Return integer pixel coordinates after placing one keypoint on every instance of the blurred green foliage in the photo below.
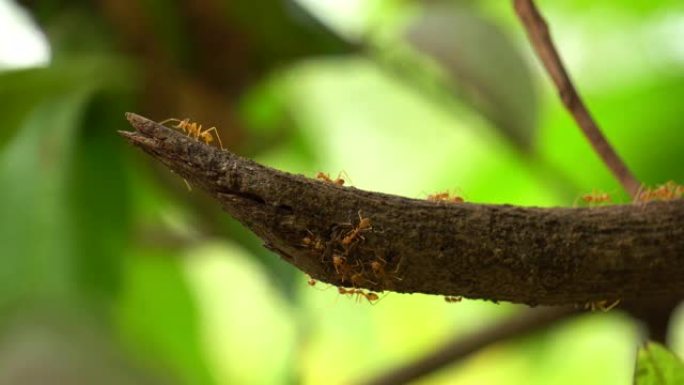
(112, 266)
(658, 366)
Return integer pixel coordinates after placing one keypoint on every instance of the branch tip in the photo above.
(536, 256)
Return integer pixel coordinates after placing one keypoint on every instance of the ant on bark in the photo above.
(370, 296)
(364, 225)
(194, 130)
(445, 197)
(337, 181)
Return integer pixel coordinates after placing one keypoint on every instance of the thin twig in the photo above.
(538, 33)
(460, 347)
(545, 256)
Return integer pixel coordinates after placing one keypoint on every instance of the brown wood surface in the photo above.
(549, 256)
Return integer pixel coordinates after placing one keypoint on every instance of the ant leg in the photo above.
(574, 204)
(182, 124)
(170, 120)
(344, 174)
(217, 135)
(346, 177)
(637, 196)
(611, 306)
(375, 299)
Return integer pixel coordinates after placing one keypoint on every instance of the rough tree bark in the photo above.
(535, 256)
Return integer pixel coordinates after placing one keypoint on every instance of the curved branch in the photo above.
(550, 256)
(538, 33)
(461, 346)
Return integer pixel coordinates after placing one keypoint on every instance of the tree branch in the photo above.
(550, 256)
(459, 347)
(538, 33)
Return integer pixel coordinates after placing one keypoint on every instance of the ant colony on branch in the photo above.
(341, 252)
(664, 192)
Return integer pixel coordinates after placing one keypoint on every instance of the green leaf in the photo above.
(63, 342)
(41, 231)
(21, 91)
(283, 31)
(483, 67)
(99, 197)
(35, 230)
(638, 8)
(276, 33)
(658, 366)
(158, 317)
(624, 117)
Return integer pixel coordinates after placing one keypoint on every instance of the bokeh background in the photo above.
(112, 272)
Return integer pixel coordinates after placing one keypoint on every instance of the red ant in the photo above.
(444, 197)
(194, 130)
(312, 282)
(359, 279)
(313, 242)
(664, 192)
(596, 197)
(340, 265)
(364, 225)
(378, 268)
(370, 296)
(345, 270)
(326, 178)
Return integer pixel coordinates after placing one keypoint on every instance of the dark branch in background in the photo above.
(538, 33)
(655, 313)
(550, 256)
(459, 347)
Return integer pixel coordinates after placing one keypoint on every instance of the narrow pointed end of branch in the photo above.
(138, 140)
(148, 134)
(144, 125)
(136, 120)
